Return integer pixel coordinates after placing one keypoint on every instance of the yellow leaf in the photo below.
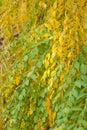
(48, 72)
(53, 73)
(48, 26)
(44, 76)
(46, 35)
(17, 80)
(51, 60)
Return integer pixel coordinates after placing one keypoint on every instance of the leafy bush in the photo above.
(45, 84)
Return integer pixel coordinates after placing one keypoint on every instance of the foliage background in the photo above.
(43, 64)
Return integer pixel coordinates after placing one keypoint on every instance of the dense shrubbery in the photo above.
(45, 84)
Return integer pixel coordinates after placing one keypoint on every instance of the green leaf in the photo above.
(75, 93)
(22, 94)
(56, 98)
(35, 87)
(84, 123)
(39, 102)
(33, 68)
(80, 128)
(71, 99)
(46, 41)
(78, 83)
(26, 58)
(41, 109)
(84, 48)
(76, 108)
(43, 119)
(68, 80)
(75, 128)
(56, 108)
(43, 103)
(76, 64)
(24, 38)
(27, 82)
(83, 77)
(80, 96)
(36, 51)
(83, 69)
(39, 64)
(60, 69)
(84, 84)
(65, 119)
(81, 58)
(35, 119)
(65, 86)
(33, 76)
(66, 110)
(73, 71)
(60, 88)
(70, 127)
(26, 64)
(35, 127)
(43, 94)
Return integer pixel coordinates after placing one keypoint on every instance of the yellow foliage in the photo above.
(62, 22)
(48, 26)
(30, 112)
(22, 126)
(50, 112)
(46, 35)
(42, 4)
(44, 76)
(17, 80)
